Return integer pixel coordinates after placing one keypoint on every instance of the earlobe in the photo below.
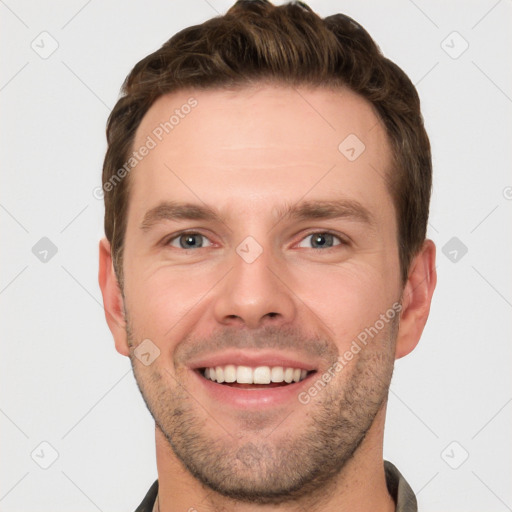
(112, 298)
(416, 299)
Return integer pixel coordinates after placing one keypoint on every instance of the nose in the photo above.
(255, 294)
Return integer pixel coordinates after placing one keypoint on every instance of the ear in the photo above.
(112, 298)
(416, 299)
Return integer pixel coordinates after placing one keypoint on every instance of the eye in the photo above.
(321, 240)
(189, 241)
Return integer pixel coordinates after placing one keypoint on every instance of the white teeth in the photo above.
(219, 374)
(278, 374)
(230, 373)
(259, 375)
(244, 375)
(262, 375)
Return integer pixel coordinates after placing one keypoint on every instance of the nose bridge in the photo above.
(254, 293)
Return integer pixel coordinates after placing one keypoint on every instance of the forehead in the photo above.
(264, 140)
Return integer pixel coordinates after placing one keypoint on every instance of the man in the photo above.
(267, 185)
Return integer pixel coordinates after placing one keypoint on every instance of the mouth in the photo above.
(259, 377)
(252, 380)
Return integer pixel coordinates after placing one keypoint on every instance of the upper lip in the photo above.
(252, 359)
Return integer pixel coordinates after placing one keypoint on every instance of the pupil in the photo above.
(188, 240)
(322, 239)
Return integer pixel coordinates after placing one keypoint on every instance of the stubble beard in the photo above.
(265, 466)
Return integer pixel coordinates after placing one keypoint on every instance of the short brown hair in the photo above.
(256, 41)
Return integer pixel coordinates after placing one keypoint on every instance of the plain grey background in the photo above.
(62, 382)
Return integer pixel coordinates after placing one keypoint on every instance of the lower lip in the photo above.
(253, 398)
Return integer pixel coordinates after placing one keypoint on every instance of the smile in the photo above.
(253, 380)
(266, 376)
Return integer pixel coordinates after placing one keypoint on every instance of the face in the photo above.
(258, 252)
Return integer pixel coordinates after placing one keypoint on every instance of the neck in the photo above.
(360, 485)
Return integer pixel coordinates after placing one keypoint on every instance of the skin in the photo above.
(247, 153)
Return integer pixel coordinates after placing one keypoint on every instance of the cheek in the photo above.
(346, 299)
(161, 300)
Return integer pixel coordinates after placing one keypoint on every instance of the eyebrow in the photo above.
(305, 210)
(327, 209)
(172, 210)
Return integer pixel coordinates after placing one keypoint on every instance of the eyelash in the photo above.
(342, 241)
